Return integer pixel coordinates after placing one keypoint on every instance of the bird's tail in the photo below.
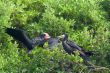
(21, 36)
(15, 33)
(12, 31)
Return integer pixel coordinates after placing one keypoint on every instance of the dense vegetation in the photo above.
(86, 21)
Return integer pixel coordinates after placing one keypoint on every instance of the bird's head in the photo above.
(64, 36)
(46, 36)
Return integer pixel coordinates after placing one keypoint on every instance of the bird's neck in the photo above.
(65, 39)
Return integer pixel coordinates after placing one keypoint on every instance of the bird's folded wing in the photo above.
(73, 45)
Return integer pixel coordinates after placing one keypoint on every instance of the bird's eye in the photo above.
(43, 34)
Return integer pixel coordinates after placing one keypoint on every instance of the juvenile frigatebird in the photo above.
(70, 47)
(22, 36)
(54, 42)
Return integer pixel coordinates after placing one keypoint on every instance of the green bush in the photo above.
(85, 21)
(51, 24)
(105, 4)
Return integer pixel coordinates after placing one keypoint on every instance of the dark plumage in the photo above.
(88, 53)
(53, 42)
(21, 36)
(70, 47)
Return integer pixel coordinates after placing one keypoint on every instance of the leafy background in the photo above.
(86, 21)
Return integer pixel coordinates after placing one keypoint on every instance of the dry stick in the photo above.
(99, 67)
(96, 68)
(83, 69)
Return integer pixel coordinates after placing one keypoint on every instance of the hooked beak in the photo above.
(61, 36)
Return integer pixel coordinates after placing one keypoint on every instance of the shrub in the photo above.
(83, 20)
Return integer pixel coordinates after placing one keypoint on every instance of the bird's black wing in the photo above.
(67, 47)
(73, 45)
(20, 35)
(15, 33)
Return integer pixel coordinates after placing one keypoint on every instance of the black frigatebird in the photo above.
(22, 36)
(70, 47)
(54, 42)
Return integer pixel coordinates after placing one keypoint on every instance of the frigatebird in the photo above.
(22, 36)
(53, 42)
(70, 47)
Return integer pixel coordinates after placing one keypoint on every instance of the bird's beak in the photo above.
(61, 36)
(47, 37)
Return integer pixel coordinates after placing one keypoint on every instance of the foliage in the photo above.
(87, 22)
